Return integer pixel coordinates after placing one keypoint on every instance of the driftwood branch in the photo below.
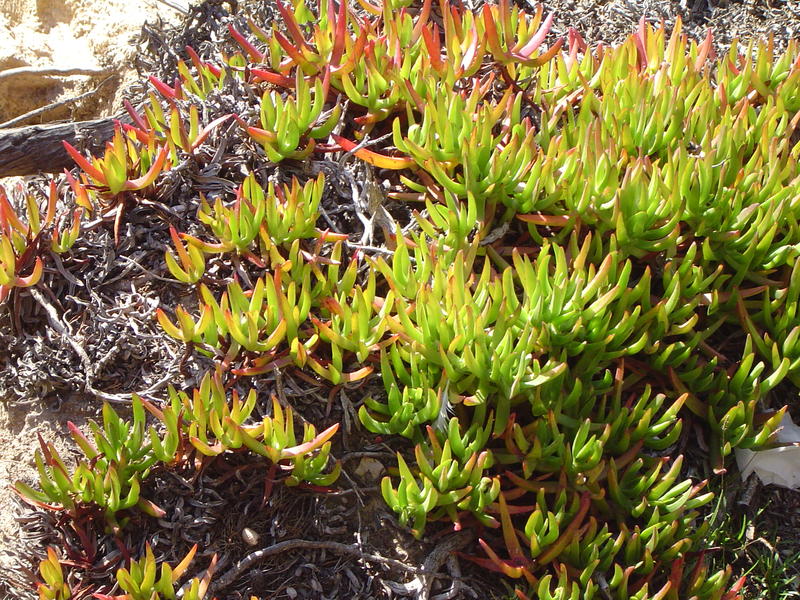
(38, 148)
(178, 5)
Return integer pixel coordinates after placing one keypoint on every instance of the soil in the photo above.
(95, 36)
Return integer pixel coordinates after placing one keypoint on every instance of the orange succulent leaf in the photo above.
(509, 533)
(261, 367)
(8, 217)
(422, 20)
(81, 195)
(566, 536)
(733, 593)
(33, 278)
(373, 158)
(314, 444)
(495, 563)
(340, 30)
(432, 44)
(149, 508)
(254, 52)
(151, 175)
(205, 582)
(273, 78)
(137, 118)
(292, 27)
(163, 88)
(262, 136)
(542, 58)
(186, 261)
(52, 199)
(537, 39)
(84, 164)
(549, 220)
(357, 375)
(199, 64)
(181, 567)
(295, 54)
(706, 50)
(370, 8)
(201, 137)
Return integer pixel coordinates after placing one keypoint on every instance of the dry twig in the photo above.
(47, 108)
(420, 587)
(339, 548)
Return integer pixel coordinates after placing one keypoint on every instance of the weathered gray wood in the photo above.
(38, 148)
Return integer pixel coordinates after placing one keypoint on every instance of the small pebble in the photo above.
(249, 536)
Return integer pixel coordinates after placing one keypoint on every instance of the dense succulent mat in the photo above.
(544, 271)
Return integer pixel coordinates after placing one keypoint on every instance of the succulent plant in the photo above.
(591, 223)
(284, 123)
(110, 475)
(125, 167)
(53, 586)
(23, 238)
(144, 581)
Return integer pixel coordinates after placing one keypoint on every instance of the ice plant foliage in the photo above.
(114, 173)
(603, 248)
(52, 586)
(144, 581)
(108, 477)
(24, 237)
(124, 453)
(213, 425)
(284, 122)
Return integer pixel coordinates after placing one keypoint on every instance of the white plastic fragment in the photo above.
(780, 466)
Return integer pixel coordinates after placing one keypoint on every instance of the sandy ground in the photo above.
(18, 433)
(89, 37)
(92, 37)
